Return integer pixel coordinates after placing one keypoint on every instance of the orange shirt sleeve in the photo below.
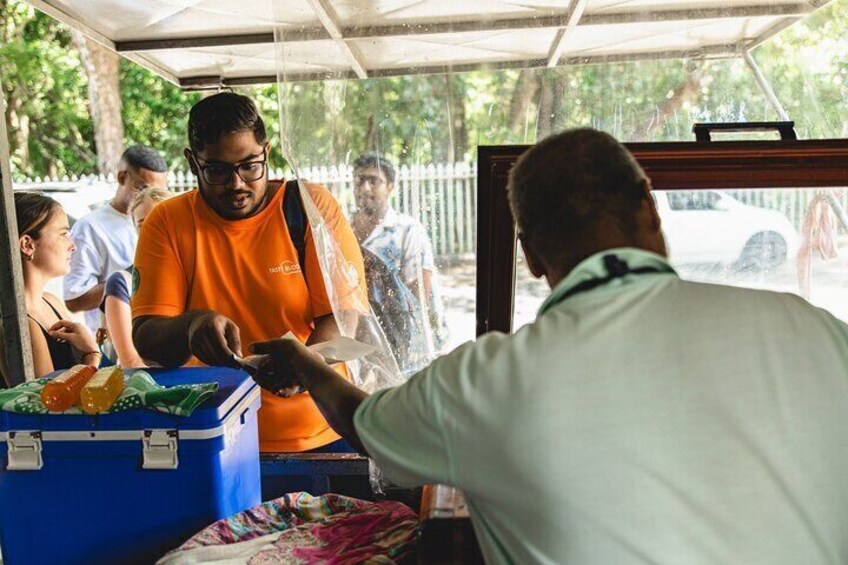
(349, 286)
(159, 280)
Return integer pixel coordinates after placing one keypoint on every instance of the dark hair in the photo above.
(571, 184)
(376, 160)
(33, 211)
(144, 157)
(220, 114)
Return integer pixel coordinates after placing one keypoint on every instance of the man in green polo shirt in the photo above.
(641, 418)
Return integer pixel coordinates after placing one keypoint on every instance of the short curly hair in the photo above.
(220, 114)
(569, 184)
(378, 161)
(144, 157)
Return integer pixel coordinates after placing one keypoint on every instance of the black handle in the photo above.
(785, 129)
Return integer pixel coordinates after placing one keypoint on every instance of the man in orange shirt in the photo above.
(216, 269)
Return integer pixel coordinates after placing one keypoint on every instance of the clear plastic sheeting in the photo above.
(429, 125)
(396, 305)
(389, 176)
(785, 240)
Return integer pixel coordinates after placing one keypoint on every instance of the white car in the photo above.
(710, 226)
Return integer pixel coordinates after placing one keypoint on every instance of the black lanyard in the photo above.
(616, 269)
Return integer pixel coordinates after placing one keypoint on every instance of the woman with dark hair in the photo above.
(46, 248)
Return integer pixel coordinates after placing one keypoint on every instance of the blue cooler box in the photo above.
(127, 487)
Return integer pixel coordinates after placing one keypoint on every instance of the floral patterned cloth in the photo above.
(331, 529)
(140, 391)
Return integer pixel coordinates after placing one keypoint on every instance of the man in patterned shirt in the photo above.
(400, 241)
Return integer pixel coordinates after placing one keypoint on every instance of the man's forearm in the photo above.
(336, 397)
(326, 329)
(89, 300)
(162, 339)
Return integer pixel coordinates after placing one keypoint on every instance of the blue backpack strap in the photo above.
(296, 220)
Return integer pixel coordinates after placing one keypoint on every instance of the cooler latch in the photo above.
(24, 451)
(160, 449)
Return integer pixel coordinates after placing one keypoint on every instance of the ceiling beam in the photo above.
(151, 66)
(575, 12)
(709, 51)
(231, 40)
(313, 33)
(770, 32)
(328, 18)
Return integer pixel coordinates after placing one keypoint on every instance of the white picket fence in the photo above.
(443, 197)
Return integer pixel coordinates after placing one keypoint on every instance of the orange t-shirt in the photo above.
(190, 258)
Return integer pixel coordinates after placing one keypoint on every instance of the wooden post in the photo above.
(17, 355)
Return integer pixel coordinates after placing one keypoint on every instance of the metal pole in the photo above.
(765, 85)
(17, 354)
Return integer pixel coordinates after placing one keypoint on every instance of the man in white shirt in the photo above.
(641, 418)
(399, 240)
(106, 238)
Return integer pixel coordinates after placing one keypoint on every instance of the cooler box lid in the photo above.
(233, 387)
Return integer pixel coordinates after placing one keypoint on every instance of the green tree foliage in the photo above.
(155, 112)
(45, 94)
(808, 67)
(429, 118)
(660, 100)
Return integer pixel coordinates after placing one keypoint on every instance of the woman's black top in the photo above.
(62, 353)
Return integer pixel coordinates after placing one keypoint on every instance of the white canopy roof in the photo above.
(213, 43)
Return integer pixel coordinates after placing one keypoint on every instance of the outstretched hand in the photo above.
(291, 364)
(282, 371)
(214, 339)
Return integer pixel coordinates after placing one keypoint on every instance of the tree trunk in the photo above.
(686, 91)
(458, 125)
(19, 132)
(17, 120)
(547, 106)
(104, 99)
(372, 135)
(527, 85)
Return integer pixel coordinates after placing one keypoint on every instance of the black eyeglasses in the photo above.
(221, 173)
(373, 180)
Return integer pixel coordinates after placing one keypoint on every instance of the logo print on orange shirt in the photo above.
(286, 267)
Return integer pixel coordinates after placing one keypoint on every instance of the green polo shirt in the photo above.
(647, 420)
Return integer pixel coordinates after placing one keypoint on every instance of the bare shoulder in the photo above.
(54, 301)
(34, 329)
(36, 338)
(59, 305)
(42, 363)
